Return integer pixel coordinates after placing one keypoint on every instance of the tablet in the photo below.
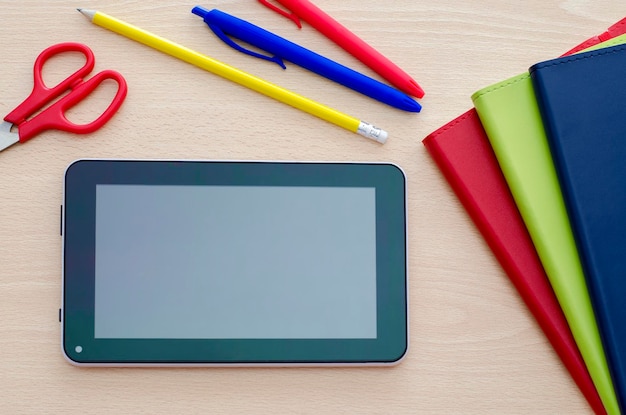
(233, 263)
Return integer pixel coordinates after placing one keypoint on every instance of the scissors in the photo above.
(25, 116)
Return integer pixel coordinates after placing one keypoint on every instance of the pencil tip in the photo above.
(87, 13)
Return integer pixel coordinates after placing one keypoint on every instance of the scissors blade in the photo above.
(7, 138)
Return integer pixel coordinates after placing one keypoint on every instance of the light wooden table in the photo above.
(474, 346)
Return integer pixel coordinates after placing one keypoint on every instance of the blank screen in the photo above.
(235, 262)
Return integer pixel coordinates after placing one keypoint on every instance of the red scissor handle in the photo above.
(54, 116)
(41, 94)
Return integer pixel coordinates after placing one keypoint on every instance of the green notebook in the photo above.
(510, 115)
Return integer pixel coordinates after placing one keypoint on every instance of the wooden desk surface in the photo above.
(474, 346)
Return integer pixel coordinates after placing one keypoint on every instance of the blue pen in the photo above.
(225, 25)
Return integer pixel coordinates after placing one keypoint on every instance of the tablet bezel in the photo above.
(78, 229)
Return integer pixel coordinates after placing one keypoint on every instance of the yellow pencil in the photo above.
(236, 75)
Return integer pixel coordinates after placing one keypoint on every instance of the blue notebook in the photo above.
(582, 100)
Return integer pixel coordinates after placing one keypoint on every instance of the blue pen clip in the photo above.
(226, 39)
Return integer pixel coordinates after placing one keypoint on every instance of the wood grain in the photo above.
(474, 347)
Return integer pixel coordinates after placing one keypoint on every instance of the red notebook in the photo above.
(463, 153)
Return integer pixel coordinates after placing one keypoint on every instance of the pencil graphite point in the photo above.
(87, 13)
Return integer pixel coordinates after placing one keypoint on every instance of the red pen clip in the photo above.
(287, 13)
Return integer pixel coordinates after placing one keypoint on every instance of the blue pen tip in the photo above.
(411, 105)
(200, 11)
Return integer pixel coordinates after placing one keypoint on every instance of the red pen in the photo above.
(329, 27)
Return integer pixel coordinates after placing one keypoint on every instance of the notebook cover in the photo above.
(582, 102)
(510, 116)
(463, 154)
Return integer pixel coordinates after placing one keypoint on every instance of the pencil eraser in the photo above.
(372, 132)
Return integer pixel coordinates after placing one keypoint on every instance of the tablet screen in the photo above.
(220, 263)
(235, 262)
